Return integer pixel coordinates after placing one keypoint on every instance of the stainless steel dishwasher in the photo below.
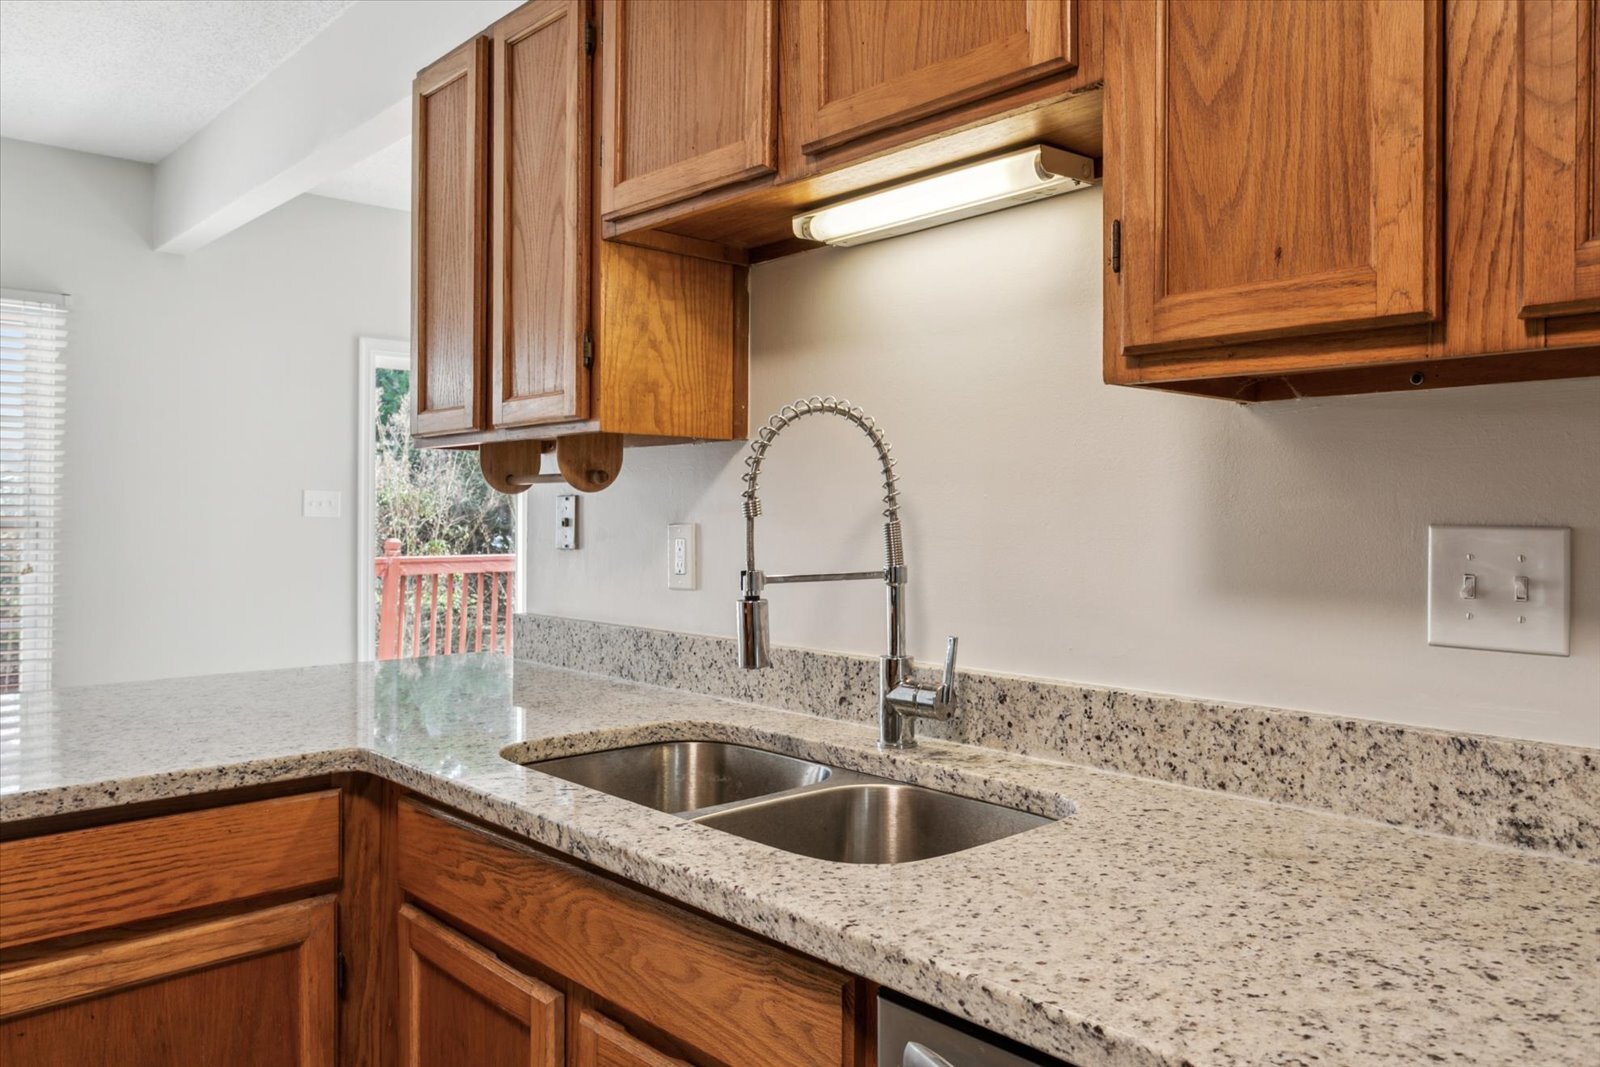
(915, 1035)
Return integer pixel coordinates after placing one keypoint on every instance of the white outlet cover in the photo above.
(683, 556)
(320, 503)
(1493, 618)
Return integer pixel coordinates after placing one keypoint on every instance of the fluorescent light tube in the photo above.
(974, 189)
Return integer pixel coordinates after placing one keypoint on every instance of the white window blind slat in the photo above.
(33, 335)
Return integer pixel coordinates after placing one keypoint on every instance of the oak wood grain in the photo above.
(687, 100)
(1560, 157)
(1482, 131)
(1482, 259)
(1280, 168)
(449, 235)
(589, 461)
(94, 879)
(670, 351)
(866, 65)
(600, 1042)
(713, 988)
(502, 461)
(462, 1005)
(541, 207)
(369, 899)
(173, 997)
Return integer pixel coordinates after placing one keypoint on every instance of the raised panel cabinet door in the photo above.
(602, 1043)
(541, 215)
(449, 241)
(1560, 158)
(866, 65)
(251, 990)
(687, 98)
(1280, 167)
(461, 1004)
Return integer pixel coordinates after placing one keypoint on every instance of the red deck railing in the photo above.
(469, 610)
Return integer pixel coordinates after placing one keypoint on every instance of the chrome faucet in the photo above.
(901, 700)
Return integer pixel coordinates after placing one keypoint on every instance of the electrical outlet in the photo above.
(320, 504)
(1503, 588)
(683, 556)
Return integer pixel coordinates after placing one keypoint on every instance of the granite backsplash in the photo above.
(1512, 792)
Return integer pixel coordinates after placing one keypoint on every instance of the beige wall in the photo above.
(204, 393)
(1070, 530)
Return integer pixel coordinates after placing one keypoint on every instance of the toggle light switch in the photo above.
(1519, 586)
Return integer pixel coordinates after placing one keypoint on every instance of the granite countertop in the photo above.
(1155, 924)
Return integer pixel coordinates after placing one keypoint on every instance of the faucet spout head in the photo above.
(752, 634)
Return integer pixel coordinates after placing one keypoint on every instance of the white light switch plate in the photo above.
(683, 552)
(567, 518)
(1495, 557)
(320, 503)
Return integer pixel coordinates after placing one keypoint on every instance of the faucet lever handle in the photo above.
(947, 683)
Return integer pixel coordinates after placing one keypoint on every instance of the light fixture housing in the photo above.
(959, 193)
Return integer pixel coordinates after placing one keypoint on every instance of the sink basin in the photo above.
(683, 776)
(812, 809)
(879, 822)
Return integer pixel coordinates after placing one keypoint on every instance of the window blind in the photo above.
(33, 334)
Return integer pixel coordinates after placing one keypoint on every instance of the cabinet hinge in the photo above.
(1116, 246)
(340, 974)
(588, 350)
(588, 39)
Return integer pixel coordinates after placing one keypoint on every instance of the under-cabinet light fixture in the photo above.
(972, 189)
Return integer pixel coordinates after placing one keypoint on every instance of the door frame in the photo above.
(387, 353)
(373, 354)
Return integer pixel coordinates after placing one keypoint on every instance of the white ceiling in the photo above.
(137, 78)
(383, 179)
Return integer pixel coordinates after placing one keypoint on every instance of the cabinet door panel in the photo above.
(602, 1043)
(175, 996)
(866, 65)
(460, 1004)
(1280, 168)
(688, 99)
(1560, 158)
(450, 130)
(541, 215)
(700, 983)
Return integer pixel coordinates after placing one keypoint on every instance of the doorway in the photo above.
(439, 560)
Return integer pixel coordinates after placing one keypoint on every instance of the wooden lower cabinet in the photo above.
(250, 990)
(600, 1042)
(348, 924)
(461, 1004)
(713, 994)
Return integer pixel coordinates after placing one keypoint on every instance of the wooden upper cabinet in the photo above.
(250, 990)
(1560, 158)
(449, 218)
(863, 66)
(541, 219)
(600, 1042)
(687, 99)
(1280, 168)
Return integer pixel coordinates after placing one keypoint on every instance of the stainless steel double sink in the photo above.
(827, 813)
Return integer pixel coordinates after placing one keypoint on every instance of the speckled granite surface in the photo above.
(1469, 785)
(1157, 924)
